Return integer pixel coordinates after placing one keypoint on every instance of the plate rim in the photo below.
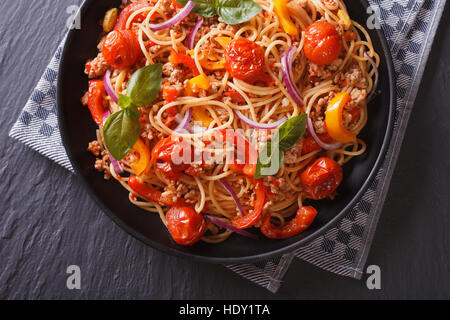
(241, 259)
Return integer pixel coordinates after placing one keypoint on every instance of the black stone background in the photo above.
(48, 222)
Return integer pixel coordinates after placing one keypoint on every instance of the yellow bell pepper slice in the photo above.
(216, 65)
(200, 115)
(212, 65)
(344, 19)
(196, 83)
(282, 12)
(141, 166)
(334, 120)
(223, 41)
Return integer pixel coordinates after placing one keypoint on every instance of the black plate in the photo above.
(77, 129)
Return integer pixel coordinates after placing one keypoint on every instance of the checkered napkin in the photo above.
(409, 26)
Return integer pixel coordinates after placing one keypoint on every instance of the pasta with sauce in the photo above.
(174, 76)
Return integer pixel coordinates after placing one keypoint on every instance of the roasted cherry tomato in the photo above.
(164, 153)
(305, 216)
(121, 49)
(244, 59)
(95, 100)
(322, 43)
(322, 178)
(128, 11)
(185, 225)
(310, 145)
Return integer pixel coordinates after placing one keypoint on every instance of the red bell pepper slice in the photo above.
(251, 218)
(305, 216)
(151, 194)
(182, 58)
(95, 100)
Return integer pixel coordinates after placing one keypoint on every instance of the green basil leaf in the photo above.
(133, 112)
(121, 132)
(145, 84)
(205, 8)
(130, 108)
(284, 138)
(291, 131)
(268, 164)
(237, 11)
(124, 101)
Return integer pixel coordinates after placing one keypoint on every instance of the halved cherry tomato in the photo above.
(310, 145)
(151, 194)
(182, 58)
(322, 43)
(244, 59)
(305, 216)
(163, 154)
(251, 218)
(96, 95)
(129, 10)
(185, 225)
(322, 178)
(121, 49)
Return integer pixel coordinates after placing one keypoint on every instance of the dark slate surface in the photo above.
(48, 222)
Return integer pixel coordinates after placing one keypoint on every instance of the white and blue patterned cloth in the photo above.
(409, 26)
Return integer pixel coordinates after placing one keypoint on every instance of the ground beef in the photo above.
(292, 154)
(323, 72)
(175, 74)
(94, 147)
(85, 99)
(97, 67)
(259, 138)
(178, 189)
(102, 164)
(358, 96)
(353, 77)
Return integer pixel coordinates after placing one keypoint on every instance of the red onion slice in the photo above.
(323, 145)
(233, 195)
(108, 86)
(175, 19)
(286, 67)
(257, 125)
(377, 75)
(228, 226)
(185, 122)
(193, 33)
(117, 168)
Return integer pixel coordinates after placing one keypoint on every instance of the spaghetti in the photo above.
(200, 85)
